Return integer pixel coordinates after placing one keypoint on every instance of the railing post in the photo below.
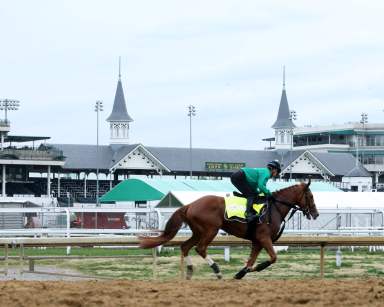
(154, 254)
(322, 247)
(21, 259)
(31, 265)
(227, 254)
(68, 232)
(6, 259)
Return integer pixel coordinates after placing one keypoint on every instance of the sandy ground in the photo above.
(309, 292)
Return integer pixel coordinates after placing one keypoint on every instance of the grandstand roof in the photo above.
(85, 156)
(22, 138)
(358, 171)
(177, 159)
(337, 163)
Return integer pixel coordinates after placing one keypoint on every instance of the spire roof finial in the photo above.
(119, 67)
(284, 77)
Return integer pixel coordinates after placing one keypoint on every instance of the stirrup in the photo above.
(251, 218)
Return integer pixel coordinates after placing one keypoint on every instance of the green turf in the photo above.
(292, 264)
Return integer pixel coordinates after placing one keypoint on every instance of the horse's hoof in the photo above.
(237, 276)
(219, 276)
(242, 273)
(189, 272)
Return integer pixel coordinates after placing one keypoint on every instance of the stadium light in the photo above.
(191, 112)
(363, 121)
(98, 109)
(9, 105)
(292, 117)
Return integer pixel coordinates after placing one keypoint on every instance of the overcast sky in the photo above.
(224, 57)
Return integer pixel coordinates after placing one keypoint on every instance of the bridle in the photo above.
(292, 206)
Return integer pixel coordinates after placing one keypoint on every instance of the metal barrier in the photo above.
(321, 241)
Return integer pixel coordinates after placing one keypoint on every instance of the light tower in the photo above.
(191, 112)
(98, 109)
(292, 117)
(6, 105)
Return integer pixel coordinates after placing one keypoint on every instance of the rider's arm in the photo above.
(262, 183)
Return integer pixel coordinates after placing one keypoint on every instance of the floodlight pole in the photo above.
(191, 112)
(363, 121)
(292, 117)
(98, 109)
(7, 104)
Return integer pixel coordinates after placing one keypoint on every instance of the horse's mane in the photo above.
(291, 187)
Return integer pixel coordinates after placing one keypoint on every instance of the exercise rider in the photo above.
(253, 181)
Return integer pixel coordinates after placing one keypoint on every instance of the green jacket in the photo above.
(257, 179)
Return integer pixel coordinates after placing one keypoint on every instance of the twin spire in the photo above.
(119, 110)
(283, 120)
(119, 119)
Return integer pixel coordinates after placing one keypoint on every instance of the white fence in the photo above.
(330, 221)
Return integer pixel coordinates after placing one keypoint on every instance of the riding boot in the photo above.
(249, 210)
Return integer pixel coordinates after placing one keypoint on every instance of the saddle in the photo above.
(235, 207)
(259, 205)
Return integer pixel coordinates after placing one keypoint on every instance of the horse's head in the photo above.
(307, 203)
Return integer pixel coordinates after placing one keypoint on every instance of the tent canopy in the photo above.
(155, 189)
(132, 190)
(176, 199)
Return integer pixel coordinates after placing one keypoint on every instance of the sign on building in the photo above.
(224, 166)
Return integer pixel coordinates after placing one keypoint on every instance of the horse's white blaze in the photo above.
(188, 260)
(209, 260)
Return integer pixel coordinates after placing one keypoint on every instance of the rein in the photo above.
(294, 208)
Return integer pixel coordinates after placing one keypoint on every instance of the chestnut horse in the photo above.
(206, 216)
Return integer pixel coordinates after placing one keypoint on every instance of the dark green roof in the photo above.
(132, 190)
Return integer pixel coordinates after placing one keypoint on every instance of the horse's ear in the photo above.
(309, 182)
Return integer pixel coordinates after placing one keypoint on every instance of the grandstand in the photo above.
(31, 167)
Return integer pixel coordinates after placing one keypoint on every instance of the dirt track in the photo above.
(368, 292)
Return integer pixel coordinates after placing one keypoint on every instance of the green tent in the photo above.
(132, 190)
(155, 189)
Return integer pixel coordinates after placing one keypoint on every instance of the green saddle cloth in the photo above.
(236, 206)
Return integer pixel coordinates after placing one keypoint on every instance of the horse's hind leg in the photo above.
(201, 249)
(185, 248)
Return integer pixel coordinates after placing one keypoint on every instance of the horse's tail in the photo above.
(171, 228)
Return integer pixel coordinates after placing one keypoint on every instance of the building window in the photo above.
(282, 138)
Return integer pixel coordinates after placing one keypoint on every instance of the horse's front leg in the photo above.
(268, 246)
(256, 248)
